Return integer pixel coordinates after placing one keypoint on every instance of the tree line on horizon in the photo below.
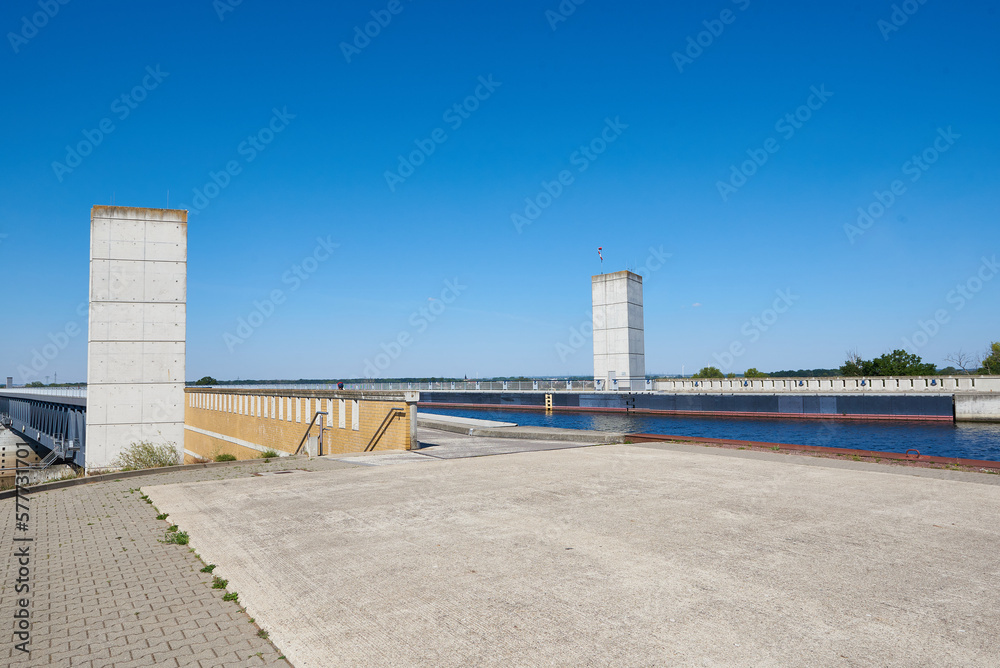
(897, 363)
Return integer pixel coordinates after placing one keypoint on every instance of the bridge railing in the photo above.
(540, 385)
(80, 392)
(907, 384)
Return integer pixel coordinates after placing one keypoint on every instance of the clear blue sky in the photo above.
(887, 95)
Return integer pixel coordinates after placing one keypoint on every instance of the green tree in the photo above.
(991, 362)
(902, 363)
(753, 373)
(709, 372)
(207, 380)
(35, 383)
(854, 366)
(896, 363)
(730, 375)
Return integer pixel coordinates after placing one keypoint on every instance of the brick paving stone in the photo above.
(97, 561)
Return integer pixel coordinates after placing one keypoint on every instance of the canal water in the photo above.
(963, 439)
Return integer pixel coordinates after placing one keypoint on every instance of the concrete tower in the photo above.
(619, 349)
(136, 341)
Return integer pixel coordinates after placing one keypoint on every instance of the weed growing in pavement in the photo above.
(219, 583)
(208, 569)
(225, 458)
(176, 537)
(262, 634)
(163, 516)
(231, 596)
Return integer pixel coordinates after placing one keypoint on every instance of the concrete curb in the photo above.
(104, 477)
(444, 426)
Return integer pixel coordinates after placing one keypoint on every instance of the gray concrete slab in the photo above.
(431, 418)
(491, 429)
(449, 445)
(611, 555)
(383, 459)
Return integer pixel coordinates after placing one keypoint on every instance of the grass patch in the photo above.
(219, 583)
(208, 569)
(225, 458)
(269, 454)
(231, 596)
(163, 516)
(176, 537)
(147, 455)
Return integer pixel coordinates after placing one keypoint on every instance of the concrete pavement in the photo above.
(494, 429)
(104, 591)
(609, 555)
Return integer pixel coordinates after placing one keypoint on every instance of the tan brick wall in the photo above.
(271, 419)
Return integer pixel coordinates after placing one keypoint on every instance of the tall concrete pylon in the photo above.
(137, 330)
(619, 346)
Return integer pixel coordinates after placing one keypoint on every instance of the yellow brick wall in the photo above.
(270, 419)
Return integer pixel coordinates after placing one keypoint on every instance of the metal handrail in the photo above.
(384, 427)
(319, 450)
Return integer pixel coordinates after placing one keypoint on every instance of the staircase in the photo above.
(62, 450)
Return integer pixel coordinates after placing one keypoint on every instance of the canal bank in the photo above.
(979, 441)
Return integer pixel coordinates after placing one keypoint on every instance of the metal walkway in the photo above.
(54, 419)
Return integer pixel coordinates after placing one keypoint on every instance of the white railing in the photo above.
(458, 385)
(945, 384)
(47, 391)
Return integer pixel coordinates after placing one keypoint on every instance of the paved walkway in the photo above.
(106, 592)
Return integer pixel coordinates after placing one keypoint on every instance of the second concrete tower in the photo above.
(619, 347)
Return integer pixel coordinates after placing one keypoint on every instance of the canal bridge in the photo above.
(53, 418)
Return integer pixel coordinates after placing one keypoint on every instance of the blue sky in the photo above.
(432, 257)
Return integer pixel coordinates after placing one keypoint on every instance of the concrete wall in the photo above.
(619, 346)
(245, 423)
(934, 384)
(983, 407)
(136, 341)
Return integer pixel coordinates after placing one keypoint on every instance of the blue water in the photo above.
(970, 441)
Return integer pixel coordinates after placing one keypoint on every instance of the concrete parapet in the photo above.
(246, 423)
(935, 384)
